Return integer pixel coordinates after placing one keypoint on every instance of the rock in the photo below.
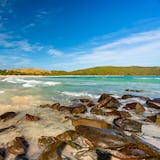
(151, 118)
(22, 157)
(46, 140)
(74, 109)
(97, 111)
(55, 106)
(153, 104)
(88, 102)
(134, 96)
(69, 135)
(18, 146)
(103, 138)
(125, 114)
(128, 124)
(2, 153)
(134, 90)
(53, 151)
(45, 105)
(90, 122)
(7, 128)
(8, 115)
(135, 106)
(108, 101)
(103, 155)
(30, 117)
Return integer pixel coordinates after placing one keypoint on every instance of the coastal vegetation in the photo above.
(103, 70)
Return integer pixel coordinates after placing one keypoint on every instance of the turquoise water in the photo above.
(63, 89)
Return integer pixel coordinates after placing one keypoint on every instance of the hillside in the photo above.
(104, 70)
(109, 70)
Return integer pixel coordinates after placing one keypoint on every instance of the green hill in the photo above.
(104, 70)
(109, 70)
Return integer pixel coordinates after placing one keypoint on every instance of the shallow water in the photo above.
(25, 94)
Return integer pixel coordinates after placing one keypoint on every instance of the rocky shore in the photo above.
(92, 130)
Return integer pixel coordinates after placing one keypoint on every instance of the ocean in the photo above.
(23, 94)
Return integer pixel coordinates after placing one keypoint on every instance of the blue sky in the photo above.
(76, 34)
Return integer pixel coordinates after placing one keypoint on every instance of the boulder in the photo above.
(128, 124)
(55, 106)
(2, 153)
(103, 138)
(53, 151)
(98, 111)
(8, 128)
(135, 106)
(46, 140)
(30, 117)
(90, 122)
(126, 96)
(22, 157)
(74, 109)
(107, 101)
(18, 146)
(134, 90)
(153, 103)
(8, 115)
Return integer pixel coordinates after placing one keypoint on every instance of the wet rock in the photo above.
(103, 155)
(103, 138)
(18, 146)
(97, 111)
(8, 128)
(46, 140)
(135, 106)
(125, 114)
(8, 115)
(88, 102)
(55, 106)
(134, 96)
(134, 90)
(153, 104)
(69, 135)
(2, 153)
(45, 105)
(108, 101)
(90, 122)
(30, 117)
(151, 118)
(53, 151)
(22, 157)
(74, 109)
(128, 124)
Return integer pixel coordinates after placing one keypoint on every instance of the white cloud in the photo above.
(142, 49)
(7, 41)
(55, 52)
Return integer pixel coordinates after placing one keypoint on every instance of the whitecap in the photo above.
(2, 92)
(80, 94)
(49, 83)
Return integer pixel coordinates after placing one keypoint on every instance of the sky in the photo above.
(76, 34)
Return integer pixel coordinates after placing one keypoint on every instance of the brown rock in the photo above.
(153, 104)
(55, 106)
(8, 128)
(46, 140)
(135, 106)
(2, 153)
(134, 96)
(53, 151)
(108, 101)
(18, 146)
(97, 111)
(69, 135)
(30, 117)
(90, 122)
(74, 109)
(8, 115)
(128, 124)
(151, 118)
(103, 138)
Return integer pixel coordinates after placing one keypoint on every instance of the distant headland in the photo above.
(102, 70)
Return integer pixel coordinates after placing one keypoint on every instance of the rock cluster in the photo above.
(93, 138)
